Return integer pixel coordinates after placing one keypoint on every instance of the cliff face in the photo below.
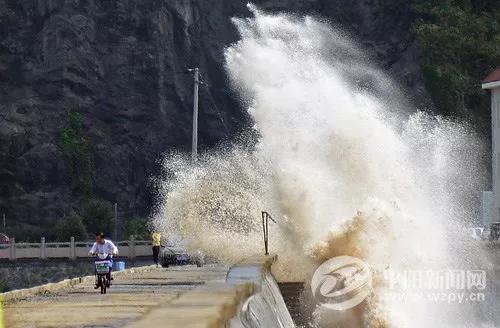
(121, 64)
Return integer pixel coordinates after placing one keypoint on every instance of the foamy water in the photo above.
(343, 164)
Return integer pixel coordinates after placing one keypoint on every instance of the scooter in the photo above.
(103, 272)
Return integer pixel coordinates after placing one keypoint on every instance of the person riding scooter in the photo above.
(104, 246)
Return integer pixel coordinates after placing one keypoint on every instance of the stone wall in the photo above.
(25, 274)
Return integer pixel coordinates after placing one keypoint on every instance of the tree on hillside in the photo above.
(460, 42)
(98, 216)
(136, 227)
(78, 154)
(68, 227)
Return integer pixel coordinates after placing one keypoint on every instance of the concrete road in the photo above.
(130, 297)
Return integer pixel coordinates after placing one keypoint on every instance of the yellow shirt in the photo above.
(156, 239)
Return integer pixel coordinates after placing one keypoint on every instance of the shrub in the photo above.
(460, 42)
(3, 287)
(25, 233)
(71, 226)
(98, 215)
(136, 227)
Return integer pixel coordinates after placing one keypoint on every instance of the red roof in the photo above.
(493, 77)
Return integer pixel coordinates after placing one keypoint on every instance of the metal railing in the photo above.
(265, 229)
(70, 250)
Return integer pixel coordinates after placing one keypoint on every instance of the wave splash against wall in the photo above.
(342, 162)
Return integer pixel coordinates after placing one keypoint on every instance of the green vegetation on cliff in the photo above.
(94, 214)
(460, 42)
(78, 155)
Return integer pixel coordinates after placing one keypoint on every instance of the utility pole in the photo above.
(116, 223)
(4, 222)
(194, 145)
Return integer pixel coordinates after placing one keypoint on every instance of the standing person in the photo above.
(104, 246)
(156, 238)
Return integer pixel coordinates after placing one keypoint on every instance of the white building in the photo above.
(492, 82)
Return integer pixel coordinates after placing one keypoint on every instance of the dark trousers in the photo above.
(156, 253)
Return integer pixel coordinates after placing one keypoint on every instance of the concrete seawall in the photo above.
(52, 288)
(212, 296)
(31, 273)
(249, 297)
(266, 306)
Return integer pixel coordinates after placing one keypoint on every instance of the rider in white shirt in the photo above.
(104, 246)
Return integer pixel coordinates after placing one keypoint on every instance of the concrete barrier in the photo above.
(222, 305)
(69, 250)
(209, 306)
(248, 297)
(266, 306)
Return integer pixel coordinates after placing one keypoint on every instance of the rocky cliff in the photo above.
(121, 64)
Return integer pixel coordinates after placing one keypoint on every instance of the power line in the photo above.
(201, 81)
(219, 114)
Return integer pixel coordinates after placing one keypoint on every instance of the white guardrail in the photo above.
(72, 250)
